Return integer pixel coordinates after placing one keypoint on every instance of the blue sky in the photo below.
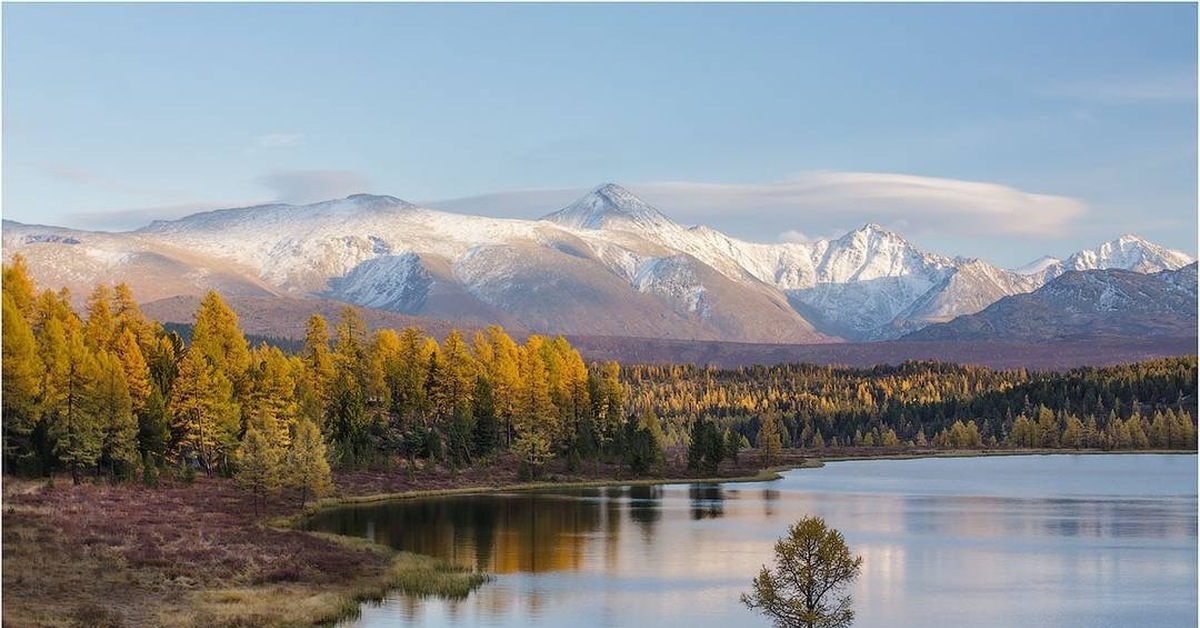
(1000, 131)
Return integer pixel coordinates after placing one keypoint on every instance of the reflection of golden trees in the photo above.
(495, 533)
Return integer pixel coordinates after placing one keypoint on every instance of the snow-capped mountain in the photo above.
(1081, 304)
(1127, 252)
(608, 264)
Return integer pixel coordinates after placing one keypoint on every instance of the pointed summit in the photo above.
(610, 206)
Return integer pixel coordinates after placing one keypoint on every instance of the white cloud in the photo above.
(791, 235)
(310, 186)
(819, 202)
(815, 201)
(279, 140)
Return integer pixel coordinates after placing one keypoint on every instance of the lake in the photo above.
(1087, 541)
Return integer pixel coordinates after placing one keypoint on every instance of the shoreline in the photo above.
(59, 537)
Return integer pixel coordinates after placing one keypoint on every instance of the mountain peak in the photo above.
(382, 199)
(1129, 252)
(610, 206)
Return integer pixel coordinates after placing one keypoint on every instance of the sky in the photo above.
(999, 131)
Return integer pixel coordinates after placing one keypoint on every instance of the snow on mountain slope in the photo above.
(1128, 252)
(608, 264)
(1038, 266)
(1083, 304)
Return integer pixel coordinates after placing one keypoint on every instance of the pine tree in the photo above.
(487, 425)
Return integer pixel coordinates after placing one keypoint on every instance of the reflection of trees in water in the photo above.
(612, 523)
(496, 533)
(645, 509)
(708, 501)
(769, 496)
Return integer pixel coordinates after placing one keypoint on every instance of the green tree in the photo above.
(813, 565)
(707, 447)
(733, 445)
(114, 413)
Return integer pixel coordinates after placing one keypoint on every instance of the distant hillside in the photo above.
(1083, 305)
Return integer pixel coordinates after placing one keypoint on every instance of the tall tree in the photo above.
(217, 336)
(21, 382)
(70, 401)
(770, 443)
(19, 285)
(204, 418)
(260, 464)
(114, 413)
(307, 467)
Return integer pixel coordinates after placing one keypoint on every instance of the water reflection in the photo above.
(1090, 554)
(708, 501)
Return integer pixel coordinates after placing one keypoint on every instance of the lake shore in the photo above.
(200, 555)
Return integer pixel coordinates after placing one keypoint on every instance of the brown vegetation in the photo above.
(196, 555)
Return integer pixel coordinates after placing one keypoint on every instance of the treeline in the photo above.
(1147, 405)
(117, 394)
(111, 393)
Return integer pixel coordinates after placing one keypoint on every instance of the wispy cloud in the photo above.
(819, 202)
(309, 186)
(279, 140)
(1177, 86)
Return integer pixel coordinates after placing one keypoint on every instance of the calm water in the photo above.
(1087, 541)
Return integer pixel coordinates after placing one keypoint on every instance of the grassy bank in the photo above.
(199, 555)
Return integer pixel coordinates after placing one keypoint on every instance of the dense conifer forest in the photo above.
(109, 392)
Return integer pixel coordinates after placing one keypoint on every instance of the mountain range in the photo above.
(609, 264)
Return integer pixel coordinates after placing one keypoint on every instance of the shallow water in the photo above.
(1095, 541)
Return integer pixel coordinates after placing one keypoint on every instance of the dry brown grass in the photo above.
(198, 555)
(180, 556)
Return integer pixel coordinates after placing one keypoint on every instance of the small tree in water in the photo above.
(812, 565)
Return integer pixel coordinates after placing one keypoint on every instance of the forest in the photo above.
(107, 392)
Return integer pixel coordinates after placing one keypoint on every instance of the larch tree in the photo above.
(318, 367)
(260, 466)
(70, 401)
(100, 327)
(770, 441)
(21, 384)
(217, 336)
(19, 285)
(114, 412)
(307, 468)
(813, 565)
(204, 418)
